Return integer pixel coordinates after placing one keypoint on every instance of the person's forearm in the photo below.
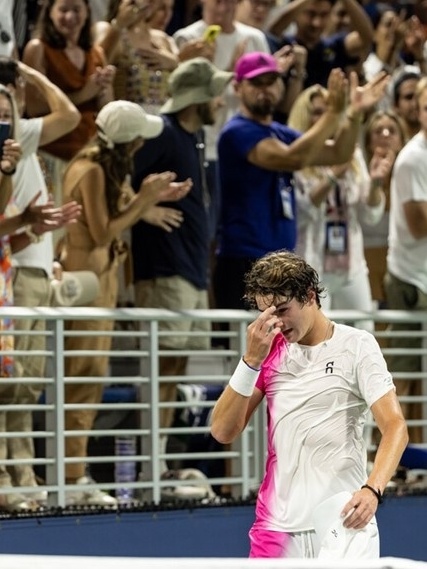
(388, 54)
(128, 217)
(82, 95)
(393, 442)
(56, 99)
(376, 193)
(360, 21)
(320, 192)
(312, 143)
(348, 136)
(9, 225)
(109, 40)
(229, 416)
(63, 113)
(6, 188)
(294, 86)
(35, 104)
(19, 241)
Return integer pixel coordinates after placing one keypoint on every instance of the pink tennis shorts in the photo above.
(267, 543)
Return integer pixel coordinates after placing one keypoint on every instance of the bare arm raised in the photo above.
(63, 116)
(272, 154)
(240, 398)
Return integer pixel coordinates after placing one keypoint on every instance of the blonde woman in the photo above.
(384, 134)
(331, 203)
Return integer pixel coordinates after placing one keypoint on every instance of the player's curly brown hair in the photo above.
(282, 274)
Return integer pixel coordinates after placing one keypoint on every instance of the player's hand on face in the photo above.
(260, 335)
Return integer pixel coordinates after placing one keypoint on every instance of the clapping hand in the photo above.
(285, 58)
(381, 164)
(414, 38)
(47, 217)
(177, 190)
(364, 97)
(161, 187)
(166, 218)
(337, 90)
(104, 77)
(130, 12)
(291, 56)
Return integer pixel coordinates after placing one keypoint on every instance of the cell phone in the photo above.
(4, 133)
(211, 33)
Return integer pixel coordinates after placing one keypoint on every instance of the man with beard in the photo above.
(257, 157)
(404, 100)
(171, 255)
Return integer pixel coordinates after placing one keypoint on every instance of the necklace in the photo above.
(312, 354)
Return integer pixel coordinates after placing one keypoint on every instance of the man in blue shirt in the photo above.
(257, 157)
(171, 252)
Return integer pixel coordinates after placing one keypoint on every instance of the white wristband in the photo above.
(243, 379)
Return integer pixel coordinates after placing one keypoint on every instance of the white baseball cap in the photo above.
(123, 121)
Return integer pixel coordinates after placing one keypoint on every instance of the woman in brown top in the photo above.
(63, 51)
(98, 180)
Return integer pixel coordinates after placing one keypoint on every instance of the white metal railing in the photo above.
(137, 365)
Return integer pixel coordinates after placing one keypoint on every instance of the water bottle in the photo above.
(125, 471)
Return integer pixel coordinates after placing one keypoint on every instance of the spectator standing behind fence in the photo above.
(406, 279)
(324, 53)
(173, 272)
(233, 40)
(98, 180)
(319, 379)
(144, 57)
(257, 158)
(331, 204)
(63, 51)
(32, 267)
(384, 134)
(18, 229)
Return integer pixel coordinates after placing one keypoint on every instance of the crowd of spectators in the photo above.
(298, 124)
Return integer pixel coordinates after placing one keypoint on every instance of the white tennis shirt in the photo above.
(317, 401)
